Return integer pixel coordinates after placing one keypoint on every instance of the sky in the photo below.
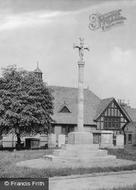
(45, 31)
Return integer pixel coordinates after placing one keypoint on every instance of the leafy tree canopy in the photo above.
(25, 102)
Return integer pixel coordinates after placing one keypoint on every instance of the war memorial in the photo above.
(68, 136)
(80, 149)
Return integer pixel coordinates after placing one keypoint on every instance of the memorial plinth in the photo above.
(80, 138)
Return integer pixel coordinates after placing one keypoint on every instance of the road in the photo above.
(93, 182)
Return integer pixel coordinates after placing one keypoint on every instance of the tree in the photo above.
(26, 104)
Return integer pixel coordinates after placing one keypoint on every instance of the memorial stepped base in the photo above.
(80, 153)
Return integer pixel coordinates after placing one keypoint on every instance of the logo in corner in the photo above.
(106, 21)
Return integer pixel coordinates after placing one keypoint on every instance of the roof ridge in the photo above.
(108, 98)
(58, 86)
(61, 86)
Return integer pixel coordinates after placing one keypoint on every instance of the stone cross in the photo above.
(81, 48)
(81, 63)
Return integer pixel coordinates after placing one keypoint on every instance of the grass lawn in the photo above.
(123, 154)
(9, 159)
(8, 166)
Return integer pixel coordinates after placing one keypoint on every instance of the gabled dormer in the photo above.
(64, 108)
(110, 115)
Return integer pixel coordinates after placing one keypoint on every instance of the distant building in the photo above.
(99, 114)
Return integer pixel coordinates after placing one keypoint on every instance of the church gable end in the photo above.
(112, 117)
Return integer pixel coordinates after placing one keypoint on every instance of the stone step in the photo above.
(96, 154)
(75, 160)
(81, 153)
(80, 146)
(85, 160)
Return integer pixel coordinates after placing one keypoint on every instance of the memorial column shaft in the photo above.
(80, 119)
(80, 136)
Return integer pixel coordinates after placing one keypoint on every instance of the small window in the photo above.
(64, 110)
(130, 138)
